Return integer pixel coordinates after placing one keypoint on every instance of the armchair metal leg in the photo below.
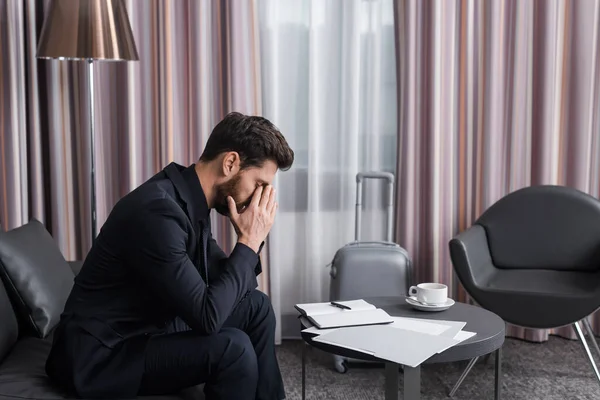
(590, 332)
(587, 349)
(463, 376)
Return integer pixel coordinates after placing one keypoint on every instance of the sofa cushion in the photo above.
(23, 376)
(9, 330)
(36, 275)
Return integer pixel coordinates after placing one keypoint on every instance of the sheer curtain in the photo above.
(329, 83)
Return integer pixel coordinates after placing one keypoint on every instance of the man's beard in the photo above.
(229, 188)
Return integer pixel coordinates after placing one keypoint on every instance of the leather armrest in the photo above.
(75, 266)
(470, 254)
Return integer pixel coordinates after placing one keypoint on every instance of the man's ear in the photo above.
(231, 163)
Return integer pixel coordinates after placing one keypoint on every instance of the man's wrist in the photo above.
(262, 244)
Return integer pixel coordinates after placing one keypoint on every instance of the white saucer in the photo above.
(423, 307)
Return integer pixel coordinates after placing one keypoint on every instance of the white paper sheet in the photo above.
(316, 331)
(455, 326)
(351, 318)
(430, 327)
(397, 345)
(464, 335)
(458, 338)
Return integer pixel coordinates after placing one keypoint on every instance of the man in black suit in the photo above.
(158, 306)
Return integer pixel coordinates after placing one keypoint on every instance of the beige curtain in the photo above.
(198, 61)
(493, 96)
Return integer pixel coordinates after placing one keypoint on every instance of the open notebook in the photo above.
(327, 315)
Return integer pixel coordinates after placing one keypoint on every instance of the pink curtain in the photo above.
(492, 96)
(198, 61)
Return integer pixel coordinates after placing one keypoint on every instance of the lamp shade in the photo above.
(87, 30)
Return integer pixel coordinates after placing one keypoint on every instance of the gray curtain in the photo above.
(198, 61)
(493, 96)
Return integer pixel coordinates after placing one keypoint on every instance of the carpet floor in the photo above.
(555, 370)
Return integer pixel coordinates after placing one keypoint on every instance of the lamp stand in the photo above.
(102, 33)
(92, 146)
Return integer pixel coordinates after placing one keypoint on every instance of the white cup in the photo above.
(430, 293)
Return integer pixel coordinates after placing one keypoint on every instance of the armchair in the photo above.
(533, 258)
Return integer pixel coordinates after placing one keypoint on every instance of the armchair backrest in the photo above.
(544, 227)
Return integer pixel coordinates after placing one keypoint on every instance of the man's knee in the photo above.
(265, 313)
(239, 354)
(236, 370)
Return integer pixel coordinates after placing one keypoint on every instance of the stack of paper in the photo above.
(406, 341)
(329, 308)
(343, 314)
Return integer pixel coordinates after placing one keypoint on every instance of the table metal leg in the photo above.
(304, 345)
(412, 383)
(391, 381)
(498, 378)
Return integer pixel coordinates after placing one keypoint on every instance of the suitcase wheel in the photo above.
(341, 365)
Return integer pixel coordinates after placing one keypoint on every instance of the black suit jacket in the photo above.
(142, 272)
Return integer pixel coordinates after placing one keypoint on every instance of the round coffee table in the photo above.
(489, 329)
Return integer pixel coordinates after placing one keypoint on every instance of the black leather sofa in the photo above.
(35, 283)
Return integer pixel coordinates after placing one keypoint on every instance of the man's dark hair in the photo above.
(254, 138)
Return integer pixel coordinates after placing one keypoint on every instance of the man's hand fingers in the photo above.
(256, 196)
(272, 209)
(271, 202)
(233, 214)
(266, 196)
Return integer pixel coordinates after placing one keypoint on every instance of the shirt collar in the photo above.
(199, 203)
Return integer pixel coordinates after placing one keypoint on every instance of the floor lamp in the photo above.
(88, 30)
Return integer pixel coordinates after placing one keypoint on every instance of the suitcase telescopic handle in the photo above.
(389, 177)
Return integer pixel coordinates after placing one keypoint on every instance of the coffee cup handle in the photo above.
(412, 291)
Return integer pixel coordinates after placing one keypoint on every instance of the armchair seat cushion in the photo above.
(23, 376)
(539, 282)
(555, 298)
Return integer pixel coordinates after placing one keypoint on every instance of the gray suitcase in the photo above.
(369, 269)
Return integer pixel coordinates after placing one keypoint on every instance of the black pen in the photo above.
(342, 306)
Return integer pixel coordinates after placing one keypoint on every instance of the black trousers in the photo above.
(237, 363)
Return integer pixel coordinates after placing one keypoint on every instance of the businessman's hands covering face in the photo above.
(254, 222)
